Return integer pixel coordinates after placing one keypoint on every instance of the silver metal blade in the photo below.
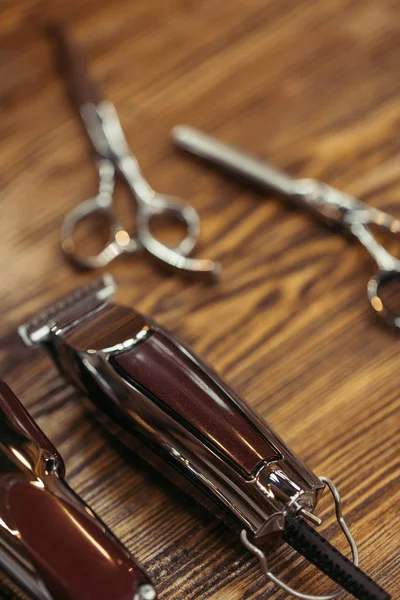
(232, 160)
(36, 330)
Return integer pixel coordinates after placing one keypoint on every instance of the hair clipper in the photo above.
(51, 543)
(168, 404)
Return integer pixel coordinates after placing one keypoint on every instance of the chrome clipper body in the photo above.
(186, 421)
(51, 543)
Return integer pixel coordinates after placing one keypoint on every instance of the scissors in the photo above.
(331, 205)
(114, 158)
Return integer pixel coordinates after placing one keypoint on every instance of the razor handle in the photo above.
(51, 543)
(162, 400)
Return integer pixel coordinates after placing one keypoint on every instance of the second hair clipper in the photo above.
(51, 543)
(186, 421)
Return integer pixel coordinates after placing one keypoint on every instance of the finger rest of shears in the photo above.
(172, 258)
(119, 240)
(375, 285)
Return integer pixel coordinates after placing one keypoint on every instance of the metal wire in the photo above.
(264, 563)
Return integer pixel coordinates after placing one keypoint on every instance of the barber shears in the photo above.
(114, 159)
(329, 204)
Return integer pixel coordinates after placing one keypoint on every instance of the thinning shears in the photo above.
(331, 205)
(104, 130)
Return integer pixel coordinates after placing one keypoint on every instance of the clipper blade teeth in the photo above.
(36, 330)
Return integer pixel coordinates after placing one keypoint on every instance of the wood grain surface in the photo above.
(313, 86)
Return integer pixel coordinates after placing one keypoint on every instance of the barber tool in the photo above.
(104, 130)
(165, 402)
(331, 205)
(51, 543)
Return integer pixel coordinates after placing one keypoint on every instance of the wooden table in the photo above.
(315, 88)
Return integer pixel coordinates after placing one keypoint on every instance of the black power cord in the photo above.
(318, 551)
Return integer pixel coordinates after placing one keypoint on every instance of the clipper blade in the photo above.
(37, 330)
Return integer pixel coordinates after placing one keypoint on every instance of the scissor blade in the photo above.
(232, 160)
(98, 116)
(82, 89)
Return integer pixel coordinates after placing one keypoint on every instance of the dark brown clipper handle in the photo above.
(51, 543)
(192, 393)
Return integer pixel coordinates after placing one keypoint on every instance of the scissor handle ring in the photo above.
(377, 282)
(119, 241)
(160, 205)
(176, 257)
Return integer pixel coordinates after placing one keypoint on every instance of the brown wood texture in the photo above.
(313, 86)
